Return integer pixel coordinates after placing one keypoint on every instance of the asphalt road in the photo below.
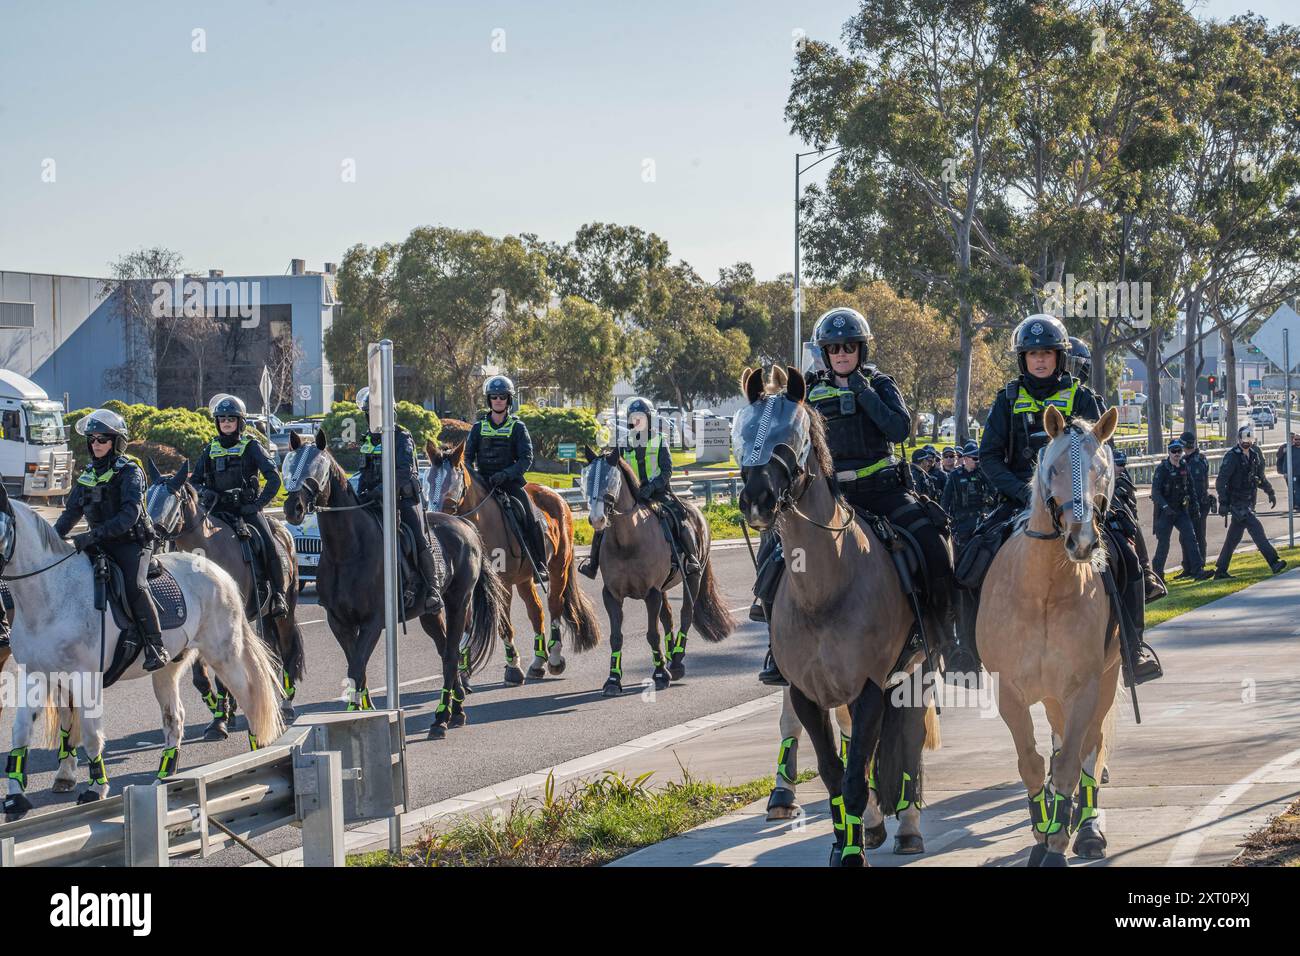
(512, 730)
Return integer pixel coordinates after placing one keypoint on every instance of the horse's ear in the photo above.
(1053, 421)
(155, 476)
(458, 454)
(752, 383)
(778, 378)
(321, 439)
(1105, 427)
(589, 454)
(295, 441)
(795, 387)
(433, 452)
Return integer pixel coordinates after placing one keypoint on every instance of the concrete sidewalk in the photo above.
(1214, 758)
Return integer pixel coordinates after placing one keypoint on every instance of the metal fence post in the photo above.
(7, 852)
(708, 493)
(731, 490)
(318, 784)
(145, 823)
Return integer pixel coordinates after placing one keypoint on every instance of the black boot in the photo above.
(433, 590)
(771, 674)
(537, 546)
(1146, 665)
(756, 612)
(155, 654)
(689, 550)
(592, 564)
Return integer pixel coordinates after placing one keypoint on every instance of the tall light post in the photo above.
(799, 169)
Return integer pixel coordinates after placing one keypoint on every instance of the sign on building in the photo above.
(712, 440)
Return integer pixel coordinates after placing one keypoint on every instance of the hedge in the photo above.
(549, 426)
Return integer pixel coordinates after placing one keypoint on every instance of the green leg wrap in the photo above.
(539, 645)
(907, 795)
(16, 767)
(616, 665)
(852, 835)
(98, 776)
(444, 701)
(837, 817)
(1049, 811)
(252, 741)
(464, 659)
(286, 684)
(555, 639)
(171, 760)
(215, 705)
(871, 773)
(676, 643)
(657, 657)
(64, 750)
(783, 755)
(511, 653)
(364, 702)
(844, 749)
(1087, 808)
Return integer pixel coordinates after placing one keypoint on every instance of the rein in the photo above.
(32, 574)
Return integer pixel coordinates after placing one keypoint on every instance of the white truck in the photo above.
(35, 460)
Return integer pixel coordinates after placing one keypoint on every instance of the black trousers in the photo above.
(271, 565)
(133, 559)
(411, 513)
(1166, 522)
(888, 501)
(1201, 517)
(531, 528)
(1243, 521)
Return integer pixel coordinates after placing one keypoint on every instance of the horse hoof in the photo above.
(217, 730)
(90, 796)
(781, 805)
(612, 688)
(287, 713)
(514, 676)
(17, 806)
(1036, 855)
(63, 786)
(907, 844)
(1054, 858)
(661, 679)
(1090, 843)
(459, 720)
(437, 732)
(538, 669)
(556, 668)
(677, 670)
(875, 836)
(464, 682)
(1105, 776)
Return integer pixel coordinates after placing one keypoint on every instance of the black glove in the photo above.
(85, 539)
(644, 494)
(1272, 501)
(1225, 510)
(858, 383)
(497, 480)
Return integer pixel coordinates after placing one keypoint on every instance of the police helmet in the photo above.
(223, 404)
(1079, 359)
(842, 326)
(499, 385)
(1041, 331)
(104, 421)
(363, 400)
(970, 450)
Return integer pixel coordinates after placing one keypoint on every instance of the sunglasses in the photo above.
(227, 418)
(842, 348)
(1176, 453)
(100, 440)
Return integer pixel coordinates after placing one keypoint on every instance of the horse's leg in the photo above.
(514, 675)
(167, 691)
(217, 729)
(555, 662)
(1056, 807)
(442, 715)
(92, 737)
(781, 804)
(367, 639)
(533, 608)
(867, 712)
(65, 780)
(16, 803)
(457, 623)
(873, 820)
(288, 643)
(1015, 714)
(347, 636)
(817, 723)
(655, 600)
(675, 640)
(1090, 840)
(908, 722)
(614, 608)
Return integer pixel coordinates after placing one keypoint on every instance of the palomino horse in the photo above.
(1046, 633)
(636, 562)
(173, 506)
(453, 488)
(839, 620)
(350, 580)
(57, 641)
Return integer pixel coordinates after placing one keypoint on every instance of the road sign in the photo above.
(1254, 383)
(568, 449)
(1269, 336)
(265, 388)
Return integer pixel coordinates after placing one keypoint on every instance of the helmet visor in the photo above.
(102, 421)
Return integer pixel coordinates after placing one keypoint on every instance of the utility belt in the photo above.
(884, 475)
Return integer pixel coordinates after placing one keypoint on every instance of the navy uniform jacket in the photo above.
(521, 452)
(124, 493)
(1240, 474)
(253, 462)
(371, 483)
(1172, 486)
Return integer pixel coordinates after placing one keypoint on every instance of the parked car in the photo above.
(305, 427)
(275, 430)
(948, 427)
(1263, 415)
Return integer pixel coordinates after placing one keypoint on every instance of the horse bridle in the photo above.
(186, 526)
(1076, 504)
(798, 477)
(8, 554)
(455, 506)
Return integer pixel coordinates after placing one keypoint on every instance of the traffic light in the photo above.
(1212, 382)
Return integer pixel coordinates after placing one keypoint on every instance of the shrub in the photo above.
(549, 426)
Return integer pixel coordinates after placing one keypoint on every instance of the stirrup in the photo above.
(1147, 666)
(155, 655)
(771, 674)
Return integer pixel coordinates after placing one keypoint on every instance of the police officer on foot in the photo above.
(967, 496)
(1014, 435)
(1175, 502)
(410, 502)
(1198, 466)
(228, 469)
(1288, 463)
(500, 449)
(110, 494)
(1240, 474)
(921, 479)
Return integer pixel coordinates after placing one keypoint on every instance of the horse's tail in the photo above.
(51, 724)
(711, 617)
(258, 688)
(489, 616)
(579, 614)
(904, 732)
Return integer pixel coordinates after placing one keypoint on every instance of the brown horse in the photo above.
(839, 621)
(636, 562)
(453, 488)
(1046, 633)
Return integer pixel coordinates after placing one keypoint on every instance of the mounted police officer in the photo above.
(501, 450)
(1174, 498)
(1014, 435)
(865, 417)
(651, 459)
(1240, 474)
(1206, 504)
(1078, 360)
(227, 471)
(410, 502)
(109, 493)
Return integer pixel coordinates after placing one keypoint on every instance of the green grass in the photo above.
(1246, 569)
(549, 480)
(589, 823)
(724, 523)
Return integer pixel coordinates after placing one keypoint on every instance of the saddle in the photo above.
(407, 568)
(253, 550)
(515, 518)
(167, 598)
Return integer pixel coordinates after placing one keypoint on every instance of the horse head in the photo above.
(306, 476)
(603, 485)
(772, 438)
(1075, 479)
(169, 500)
(447, 482)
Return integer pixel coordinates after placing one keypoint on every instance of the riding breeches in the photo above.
(133, 560)
(412, 515)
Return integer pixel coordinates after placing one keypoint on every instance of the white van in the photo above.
(34, 456)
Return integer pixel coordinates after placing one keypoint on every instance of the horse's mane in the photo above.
(337, 474)
(49, 537)
(629, 473)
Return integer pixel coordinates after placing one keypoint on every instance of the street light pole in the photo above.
(825, 154)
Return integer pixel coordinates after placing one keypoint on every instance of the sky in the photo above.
(287, 130)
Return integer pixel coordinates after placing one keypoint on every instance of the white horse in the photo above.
(56, 642)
